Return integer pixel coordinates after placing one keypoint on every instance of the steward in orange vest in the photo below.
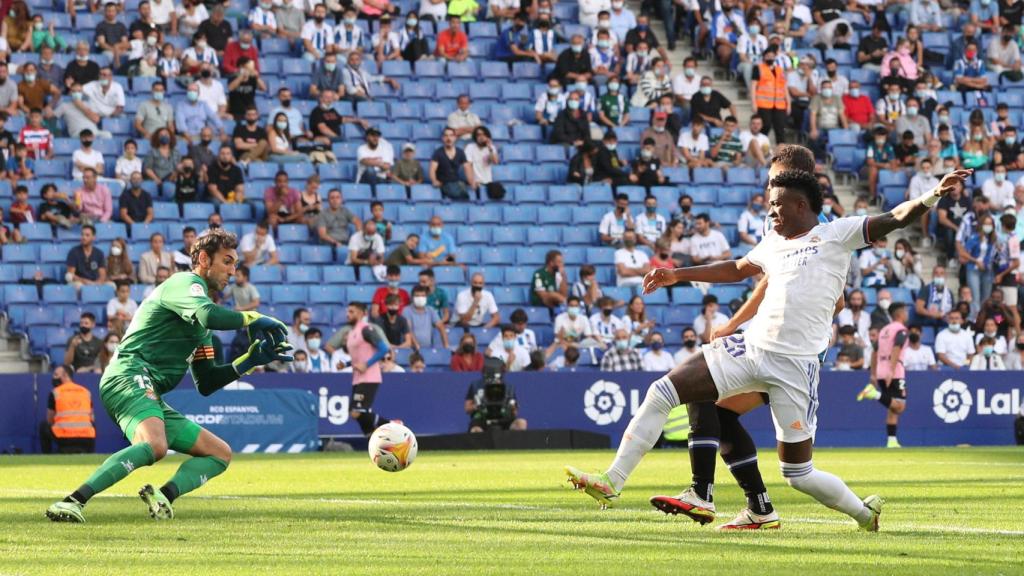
(69, 416)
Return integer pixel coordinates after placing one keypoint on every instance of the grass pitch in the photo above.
(948, 511)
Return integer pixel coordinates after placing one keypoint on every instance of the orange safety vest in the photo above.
(73, 412)
(770, 89)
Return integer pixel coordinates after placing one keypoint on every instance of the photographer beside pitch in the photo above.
(806, 262)
(171, 333)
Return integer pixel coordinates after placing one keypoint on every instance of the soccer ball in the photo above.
(392, 447)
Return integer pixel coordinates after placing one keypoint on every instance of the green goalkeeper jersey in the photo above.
(165, 336)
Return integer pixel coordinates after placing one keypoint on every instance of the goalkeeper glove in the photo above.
(266, 328)
(260, 353)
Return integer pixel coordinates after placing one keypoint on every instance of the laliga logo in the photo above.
(604, 402)
(952, 401)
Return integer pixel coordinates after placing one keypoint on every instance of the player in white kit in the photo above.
(806, 262)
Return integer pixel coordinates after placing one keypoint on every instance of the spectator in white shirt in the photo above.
(375, 158)
(347, 36)
(755, 143)
(211, 91)
(572, 326)
(366, 246)
(121, 308)
(998, 189)
(105, 96)
(657, 359)
(708, 245)
(515, 357)
(615, 222)
(550, 103)
(129, 163)
(524, 336)
(693, 145)
(854, 315)
(603, 324)
(317, 37)
(990, 330)
(474, 305)
(317, 360)
(710, 318)
(86, 156)
(1015, 359)
(589, 9)
(689, 346)
(631, 264)
(650, 225)
(751, 223)
(917, 356)
(482, 155)
(262, 19)
(258, 247)
(987, 358)
(386, 44)
(954, 345)
(686, 84)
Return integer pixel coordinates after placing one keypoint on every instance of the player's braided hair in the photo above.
(793, 157)
(210, 242)
(805, 183)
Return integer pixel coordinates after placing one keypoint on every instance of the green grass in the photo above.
(949, 511)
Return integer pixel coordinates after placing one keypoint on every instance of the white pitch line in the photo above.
(499, 506)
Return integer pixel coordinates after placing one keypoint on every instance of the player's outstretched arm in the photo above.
(745, 313)
(725, 272)
(210, 377)
(911, 211)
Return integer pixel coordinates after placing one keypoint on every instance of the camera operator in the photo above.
(491, 402)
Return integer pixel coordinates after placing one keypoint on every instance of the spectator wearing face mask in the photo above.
(568, 361)
(1015, 357)
(395, 326)
(656, 359)
(317, 360)
(689, 346)
(917, 356)
(572, 326)
(603, 323)
(423, 320)
(954, 345)
(987, 358)
(515, 356)
(466, 358)
(631, 264)
(646, 166)
(394, 275)
(621, 358)
(710, 318)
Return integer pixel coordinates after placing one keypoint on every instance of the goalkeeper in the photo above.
(169, 334)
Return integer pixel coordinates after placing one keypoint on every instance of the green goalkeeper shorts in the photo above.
(129, 401)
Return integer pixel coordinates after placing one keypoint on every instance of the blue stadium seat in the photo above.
(106, 231)
(50, 253)
(288, 294)
(508, 295)
(361, 293)
(519, 214)
(299, 170)
(588, 215)
(97, 294)
(396, 69)
(265, 275)
(497, 255)
(526, 71)
(288, 253)
(636, 194)
(564, 194)
(680, 175)
(371, 109)
(36, 231)
(317, 254)
(558, 216)
(585, 235)
(601, 256)
(425, 193)
(59, 294)
(452, 212)
(166, 211)
(293, 233)
(508, 235)
(302, 274)
(15, 253)
(529, 195)
(516, 153)
(508, 173)
(527, 133)
(735, 196)
(449, 275)
(436, 357)
(197, 211)
(546, 234)
(520, 275)
(680, 316)
(474, 235)
(707, 176)
(429, 69)
(43, 315)
(338, 275)
(326, 294)
(487, 214)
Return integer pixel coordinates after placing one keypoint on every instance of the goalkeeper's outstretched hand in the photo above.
(265, 328)
(261, 353)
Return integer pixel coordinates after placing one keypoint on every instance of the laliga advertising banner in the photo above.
(944, 408)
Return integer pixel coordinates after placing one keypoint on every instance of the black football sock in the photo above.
(82, 495)
(890, 429)
(704, 439)
(740, 454)
(170, 491)
(885, 399)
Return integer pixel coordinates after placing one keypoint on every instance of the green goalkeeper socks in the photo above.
(192, 474)
(114, 469)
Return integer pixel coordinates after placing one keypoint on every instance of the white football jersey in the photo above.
(806, 277)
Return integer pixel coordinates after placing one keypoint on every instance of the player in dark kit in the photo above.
(171, 333)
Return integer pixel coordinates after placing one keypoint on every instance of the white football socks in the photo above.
(643, 430)
(825, 488)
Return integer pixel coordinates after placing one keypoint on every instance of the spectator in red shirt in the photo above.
(282, 202)
(36, 137)
(452, 44)
(859, 108)
(21, 210)
(465, 358)
(244, 46)
(394, 276)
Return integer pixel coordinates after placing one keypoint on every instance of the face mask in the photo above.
(659, 129)
(954, 328)
(30, 78)
(206, 74)
(412, 22)
(657, 345)
(393, 283)
(604, 24)
(84, 329)
(912, 111)
(603, 44)
(573, 311)
(158, 96)
(944, 119)
(193, 95)
(392, 311)
(621, 344)
(466, 348)
(76, 95)
(651, 209)
(610, 146)
(646, 154)
(939, 282)
(1010, 141)
(854, 92)
(303, 328)
(914, 337)
(705, 90)
(330, 66)
(350, 21)
(476, 289)
(617, 5)
(643, 27)
(201, 45)
(826, 209)
(104, 82)
(894, 96)
(826, 93)
(900, 253)
(574, 104)
(613, 87)
(86, 143)
(318, 19)
(884, 303)
(641, 53)
(313, 343)
(111, 347)
(419, 301)
(577, 48)
(861, 212)
(754, 30)
(281, 125)
(115, 250)
(508, 344)
(164, 140)
(435, 230)
(988, 350)
(690, 72)
(879, 142)
(81, 57)
(987, 228)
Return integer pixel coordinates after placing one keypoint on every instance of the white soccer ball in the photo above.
(392, 447)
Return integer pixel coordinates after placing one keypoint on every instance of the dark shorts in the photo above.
(362, 396)
(895, 388)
